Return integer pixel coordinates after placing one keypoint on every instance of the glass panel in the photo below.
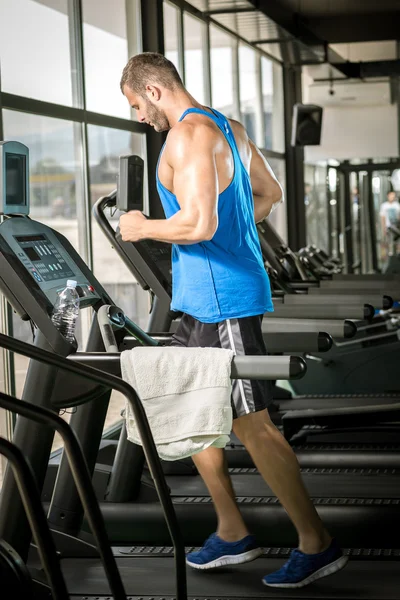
(35, 49)
(105, 146)
(316, 204)
(333, 209)
(106, 54)
(247, 88)
(56, 191)
(386, 213)
(194, 59)
(56, 171)
(171, 34)
(221, 71)
(273, 105)
(356, 221)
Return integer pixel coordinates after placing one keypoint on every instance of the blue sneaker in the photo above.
(218, 553)
(302, 569)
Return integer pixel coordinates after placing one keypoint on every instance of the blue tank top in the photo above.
(223, 278)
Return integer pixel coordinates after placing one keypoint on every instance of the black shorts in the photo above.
(243, 336)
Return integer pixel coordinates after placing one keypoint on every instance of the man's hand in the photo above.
(131, 226)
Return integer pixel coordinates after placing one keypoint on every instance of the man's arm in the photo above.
(191, 155)
(267, 192)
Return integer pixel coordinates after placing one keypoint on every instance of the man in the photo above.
(215, 185)
(390, 221)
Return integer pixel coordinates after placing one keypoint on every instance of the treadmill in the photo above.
(149, 262)
(368, 362)
(32, 291)
(313, 270)
(105, 574)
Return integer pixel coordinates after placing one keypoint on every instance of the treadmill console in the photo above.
(130, 183)
(39, 256)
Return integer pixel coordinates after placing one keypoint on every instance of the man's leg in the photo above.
(231, 544)
(278, 465)
(213, 468)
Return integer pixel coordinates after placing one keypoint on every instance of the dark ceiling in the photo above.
(336, 21)
(300, 31)
(331, 21)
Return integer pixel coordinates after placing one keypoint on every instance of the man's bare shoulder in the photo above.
(190, 135)
(238, 128)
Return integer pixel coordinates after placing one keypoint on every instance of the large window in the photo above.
(221, 71)
(35, 49)
(316, 205)
(56, 190)
(248, 88)
(273, 105)
(56, 172)
(171, 34)
(40, 56)
(105, 147)
(106, 54)
(194, 59)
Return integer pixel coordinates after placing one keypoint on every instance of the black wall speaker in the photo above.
(306, 125)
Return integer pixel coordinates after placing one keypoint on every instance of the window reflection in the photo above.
(106, 54)
(221, 71)
(56, 192)
(316, 205)
(248, 86)
(194, 59)
(35, 50)
(105, 147)
(273, 105)
(171, 35)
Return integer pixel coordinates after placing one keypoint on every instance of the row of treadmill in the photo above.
(104, 518)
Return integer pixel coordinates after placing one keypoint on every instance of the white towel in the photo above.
(186, 396)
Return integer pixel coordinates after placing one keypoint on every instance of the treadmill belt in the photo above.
(339, 402)
(350, 483)
(155, 578)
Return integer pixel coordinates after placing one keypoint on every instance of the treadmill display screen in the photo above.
(31, 253)
(15, 179)
(48, 262)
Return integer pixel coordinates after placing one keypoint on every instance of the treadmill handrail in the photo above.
(375, 409)
(82, 479)
(35, 514)
(242, 367)
(149, 447)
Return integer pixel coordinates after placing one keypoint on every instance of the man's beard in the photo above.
(157, 117)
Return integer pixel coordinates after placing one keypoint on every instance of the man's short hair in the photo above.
(149, 68)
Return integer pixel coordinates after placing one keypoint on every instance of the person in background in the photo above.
(390, 222)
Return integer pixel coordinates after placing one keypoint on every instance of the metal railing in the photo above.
(35, 514)
(149, 447)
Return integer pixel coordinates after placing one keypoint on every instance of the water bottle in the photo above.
(66, 311)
